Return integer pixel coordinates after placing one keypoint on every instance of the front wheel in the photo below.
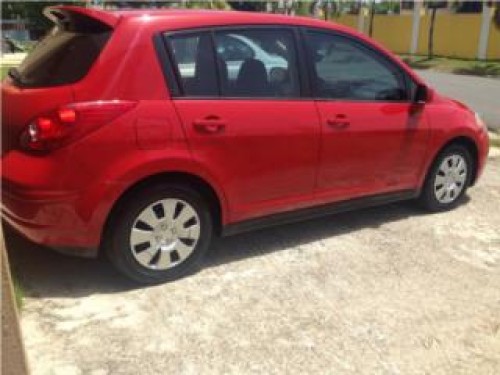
(448, 179)
(160, 233)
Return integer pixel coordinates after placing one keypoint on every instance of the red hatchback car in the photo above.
(144, 133)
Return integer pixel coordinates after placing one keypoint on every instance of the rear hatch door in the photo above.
(44, 79)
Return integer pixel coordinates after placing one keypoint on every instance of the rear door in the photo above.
(241, 106)
(373, 137)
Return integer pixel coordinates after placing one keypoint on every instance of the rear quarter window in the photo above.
(65, 55)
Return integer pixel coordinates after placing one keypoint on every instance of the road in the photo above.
(481, 94)
(388, 290)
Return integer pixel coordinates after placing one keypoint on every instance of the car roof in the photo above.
(196, 18)
(200, 17)
(230, 15)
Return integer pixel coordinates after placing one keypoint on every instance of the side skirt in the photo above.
(317, 211)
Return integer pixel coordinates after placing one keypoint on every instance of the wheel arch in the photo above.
(470, 145)
(192, 180)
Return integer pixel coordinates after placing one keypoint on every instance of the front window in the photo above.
(346, 69)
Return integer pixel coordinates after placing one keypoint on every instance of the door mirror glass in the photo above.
(421, 93)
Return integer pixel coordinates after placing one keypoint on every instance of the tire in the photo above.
(439, 193)
(159, 234)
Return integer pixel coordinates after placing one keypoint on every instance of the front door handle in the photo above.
(209, 125)
(339, 122)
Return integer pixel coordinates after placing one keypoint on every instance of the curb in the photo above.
(13, 356)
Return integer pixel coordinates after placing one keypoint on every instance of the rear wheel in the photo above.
(160, 234)
(448, 179)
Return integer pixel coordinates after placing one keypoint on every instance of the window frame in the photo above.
(175, 66)
(372, 50)
(172, 75)
(166, 65)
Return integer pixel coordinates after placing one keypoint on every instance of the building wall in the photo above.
(350, 20)
(493, 52)
(455, 35)
(393, 31)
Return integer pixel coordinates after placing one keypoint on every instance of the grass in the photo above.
(457, 66)
(494, 142)
(3, 71)
(18, 293)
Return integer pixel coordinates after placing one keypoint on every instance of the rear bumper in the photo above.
(47, 218)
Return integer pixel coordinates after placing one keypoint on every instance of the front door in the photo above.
(373, 137)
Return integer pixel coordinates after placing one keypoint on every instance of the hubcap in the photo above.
(164, 234)
(450, 178)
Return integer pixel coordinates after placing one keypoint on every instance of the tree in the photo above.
(434, 6)
(31, 12)
(250, 6)
(329, 8)
(496, 16)
(315, 8)
(469, 6)
(372, 18)
(289, 7)
(430, 48)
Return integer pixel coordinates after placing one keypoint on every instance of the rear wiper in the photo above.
(15, 75)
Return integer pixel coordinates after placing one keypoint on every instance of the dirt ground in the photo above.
(388, 290)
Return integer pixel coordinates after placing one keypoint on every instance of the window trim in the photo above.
(166, 65)
(334, 33)
(172, 74)
(175, 68)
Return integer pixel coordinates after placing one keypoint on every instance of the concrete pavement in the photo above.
(387, 290)
(481, 94)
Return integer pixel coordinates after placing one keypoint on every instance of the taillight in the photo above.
(71, 122)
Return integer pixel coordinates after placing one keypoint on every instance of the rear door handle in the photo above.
(209, 125)
(339, 122)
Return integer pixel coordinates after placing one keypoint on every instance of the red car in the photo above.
(145, 133)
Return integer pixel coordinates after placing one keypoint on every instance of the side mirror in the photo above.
(421, 94)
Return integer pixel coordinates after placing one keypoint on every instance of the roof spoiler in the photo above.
(72, 17)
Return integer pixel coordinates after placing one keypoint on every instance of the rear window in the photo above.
(238, 63)
(64, 55)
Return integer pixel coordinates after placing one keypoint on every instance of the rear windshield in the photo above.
(63, 56)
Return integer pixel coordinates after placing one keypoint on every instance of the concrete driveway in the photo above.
(481, 94)
(388, 290)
